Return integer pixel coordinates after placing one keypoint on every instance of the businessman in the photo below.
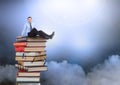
(30, 30)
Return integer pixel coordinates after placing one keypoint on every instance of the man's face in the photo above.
(29, 20)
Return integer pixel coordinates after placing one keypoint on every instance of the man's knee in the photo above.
(41, 31)
(34, 29)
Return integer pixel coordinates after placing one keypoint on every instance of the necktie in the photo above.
(30, 26)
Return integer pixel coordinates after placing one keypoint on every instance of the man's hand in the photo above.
(19, 36)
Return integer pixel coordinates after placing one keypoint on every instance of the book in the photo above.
(20, 44)
(20, 67)
(34, 49)
(35, 44)
(30, 53)
(34, 39)
(35, 63)
(19, 49)
(32, 69)
(28, 83)
(28, 79)
(16, 44)
(19, 58)
(28, 74)
(21, 70)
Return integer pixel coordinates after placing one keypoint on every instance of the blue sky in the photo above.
(86, 32)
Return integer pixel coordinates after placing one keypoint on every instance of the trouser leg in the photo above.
(33, 33)
(43, 34)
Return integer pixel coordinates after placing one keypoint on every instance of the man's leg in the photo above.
(45, 35)
(33, 33)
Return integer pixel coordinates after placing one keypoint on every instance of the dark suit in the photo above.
(34, 32)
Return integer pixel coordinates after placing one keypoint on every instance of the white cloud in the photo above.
(8, 72)
(64, 73)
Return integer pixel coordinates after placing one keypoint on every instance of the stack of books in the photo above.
(31, 56)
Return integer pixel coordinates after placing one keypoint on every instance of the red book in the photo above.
(16, 44)
(22, 70)
(19, 49)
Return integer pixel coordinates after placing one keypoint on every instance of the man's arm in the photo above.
(23, 32)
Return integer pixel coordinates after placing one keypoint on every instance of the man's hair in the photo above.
(29, 17)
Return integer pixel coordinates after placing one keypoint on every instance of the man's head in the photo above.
(29, 19)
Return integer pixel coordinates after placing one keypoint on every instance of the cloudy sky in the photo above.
(86, 31)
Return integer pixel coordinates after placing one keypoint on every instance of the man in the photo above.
(30, 30)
